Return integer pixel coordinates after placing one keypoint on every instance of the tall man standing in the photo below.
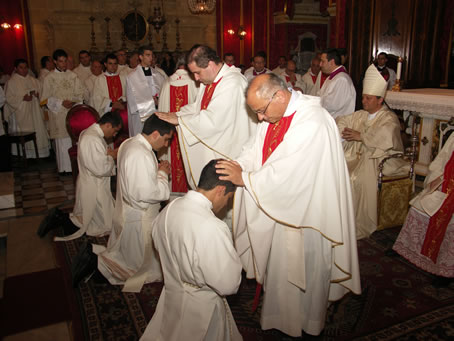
(192, 301)
(109, 92)
(180, 89)
(141, 91)
(61, 90)
(83, 70)
(388, 74)
(338, 95)
(217, 124)
(96, 70)
(294, 222)
(23, 111)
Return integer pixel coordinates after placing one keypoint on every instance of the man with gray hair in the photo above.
(294, 225)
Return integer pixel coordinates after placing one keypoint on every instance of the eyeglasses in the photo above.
(262, 112)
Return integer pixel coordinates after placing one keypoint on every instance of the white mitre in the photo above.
(374, 83)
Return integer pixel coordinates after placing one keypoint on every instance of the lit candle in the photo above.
(399, 68)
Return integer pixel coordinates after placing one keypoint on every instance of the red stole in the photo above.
(274, 136)
(178, 99)
(207, 94)
(438, 223)
(287, 79)
(114, 86)
(314, 78)
(323, 78)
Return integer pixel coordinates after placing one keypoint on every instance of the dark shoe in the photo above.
(441, 282)
(391, 253)
(68, 227)
(99, 278)
(52, 221)
(84, 264)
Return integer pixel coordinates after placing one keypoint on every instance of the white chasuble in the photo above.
(380, 138)
(218, 128)
(294, 224)
(26, 116)
(94, 204)
(140, 189)
(57, 87)
(200, 267)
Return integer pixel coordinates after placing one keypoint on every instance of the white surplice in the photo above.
(294, 225)
(89, 85)
(249, 73)
(380, 137)
(100, 100)
(308, 82)
(26, 116)
(338, 94)
(140, 189)
(42, 74)
(94, 204)
(57, 87)
(83, 72)
(140, 90)
(220, 130)
(200, 267)
(298, 83)
(278, 71)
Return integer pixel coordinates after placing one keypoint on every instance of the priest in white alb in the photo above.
(337, 94)
(142, 183)
(94, 203)
(200, 266)
(96, 70)
(83, 70)
(370, 135)
(62, 89)
(217, 124)
(294, 227)
(109, 91)
(141, 91)
(22, 109)
(179, 89)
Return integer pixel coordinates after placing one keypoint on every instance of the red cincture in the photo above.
(208, 93)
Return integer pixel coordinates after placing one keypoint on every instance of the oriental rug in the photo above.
(397, 302)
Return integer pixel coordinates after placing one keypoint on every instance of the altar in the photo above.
(435, 107)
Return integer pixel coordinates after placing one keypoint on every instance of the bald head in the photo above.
(315, 65)
(268, 97)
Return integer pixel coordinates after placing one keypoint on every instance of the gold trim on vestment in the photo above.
(335, 243)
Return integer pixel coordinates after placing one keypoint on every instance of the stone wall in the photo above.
(65, 24)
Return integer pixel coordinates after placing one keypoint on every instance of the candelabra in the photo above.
(150, 32)
(158, 20)
(164, 40)
(178, 46)
(108, 43)
(93, 47)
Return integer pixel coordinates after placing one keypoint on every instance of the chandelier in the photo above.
(201, 6)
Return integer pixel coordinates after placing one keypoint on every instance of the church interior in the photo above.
(398, 300)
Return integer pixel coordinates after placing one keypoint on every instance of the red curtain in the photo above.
(15, 43)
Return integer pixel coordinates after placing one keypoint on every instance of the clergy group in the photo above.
(222, 176)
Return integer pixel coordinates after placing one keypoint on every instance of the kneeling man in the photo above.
(199, 264)
(94, 204)
(142, 183)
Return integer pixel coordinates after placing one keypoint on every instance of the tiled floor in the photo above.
(36, 190)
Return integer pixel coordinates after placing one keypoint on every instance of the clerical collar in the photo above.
(146, 70)
(256, 73)
(107, 73)
(372, 116)
(380, 68)
(58, 70)
(290, 106)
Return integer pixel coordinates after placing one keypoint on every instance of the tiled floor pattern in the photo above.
(36, 190)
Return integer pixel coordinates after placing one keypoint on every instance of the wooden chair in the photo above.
(79, 118)
(21, 139)
(394, 192)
